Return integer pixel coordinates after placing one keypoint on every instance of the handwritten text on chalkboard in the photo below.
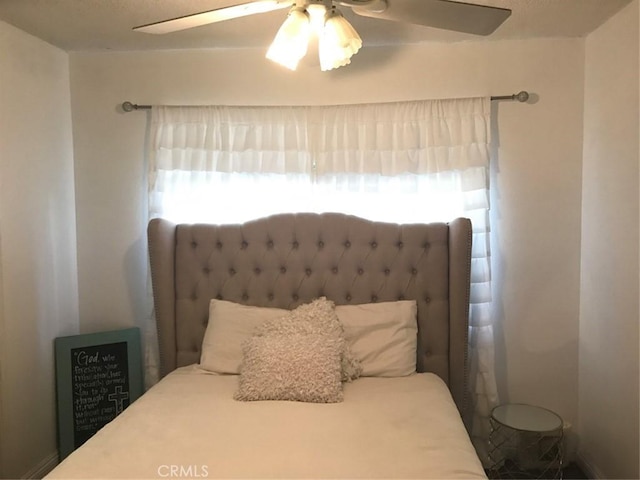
(100, 384)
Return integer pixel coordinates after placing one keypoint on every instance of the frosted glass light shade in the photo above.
(292, 40)
(339, 41)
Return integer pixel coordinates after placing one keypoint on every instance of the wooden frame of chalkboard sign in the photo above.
(97, 376)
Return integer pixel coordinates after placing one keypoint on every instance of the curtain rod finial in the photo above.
(130, 107)
(522, 96)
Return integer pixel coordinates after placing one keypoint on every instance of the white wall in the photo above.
(608, 369)
(536, 176)
(39, 297)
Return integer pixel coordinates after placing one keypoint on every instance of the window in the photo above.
(398, 162)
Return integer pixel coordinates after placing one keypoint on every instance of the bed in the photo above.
(381, 396)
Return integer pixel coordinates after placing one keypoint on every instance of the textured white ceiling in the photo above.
(80, 25)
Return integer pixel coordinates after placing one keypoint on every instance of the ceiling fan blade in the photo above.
(444, 14)
(213, 16)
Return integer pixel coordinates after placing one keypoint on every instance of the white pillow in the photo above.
(230, 324)
(383, 336)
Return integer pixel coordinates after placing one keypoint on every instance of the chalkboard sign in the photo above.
(98, 376)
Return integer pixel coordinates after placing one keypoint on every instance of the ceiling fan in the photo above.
(444, 14)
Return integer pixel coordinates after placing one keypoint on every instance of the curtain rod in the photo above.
(520, 97)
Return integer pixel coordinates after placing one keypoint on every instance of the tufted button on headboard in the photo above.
(285, 260)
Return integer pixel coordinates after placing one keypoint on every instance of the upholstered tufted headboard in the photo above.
(285, 260)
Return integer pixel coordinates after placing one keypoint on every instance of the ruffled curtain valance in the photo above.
(421, 138)
(385, 139)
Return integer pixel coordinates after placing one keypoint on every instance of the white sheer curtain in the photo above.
(401, 162)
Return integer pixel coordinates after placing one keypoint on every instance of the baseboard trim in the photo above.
(43, 468)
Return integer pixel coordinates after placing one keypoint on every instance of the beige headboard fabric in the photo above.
(285, 260)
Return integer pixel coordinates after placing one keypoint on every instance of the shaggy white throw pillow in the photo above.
(298, 367)
(316, 318)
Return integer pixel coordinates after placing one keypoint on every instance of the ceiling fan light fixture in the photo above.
(317, 14)
(338, 41)
(292, 40)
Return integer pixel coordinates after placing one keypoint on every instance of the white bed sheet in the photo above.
(189, 426)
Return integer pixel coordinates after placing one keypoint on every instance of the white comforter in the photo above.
(189, 426)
